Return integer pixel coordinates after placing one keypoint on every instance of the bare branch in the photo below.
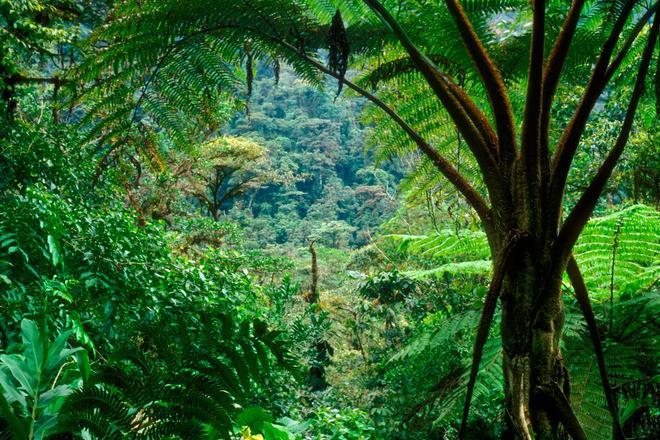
(582, 296)
(492, 79)
(580, 214)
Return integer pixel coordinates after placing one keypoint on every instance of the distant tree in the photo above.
(226, 168)
(335, 233)
(36, 34)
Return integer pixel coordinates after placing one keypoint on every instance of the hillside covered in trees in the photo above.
(329, 220)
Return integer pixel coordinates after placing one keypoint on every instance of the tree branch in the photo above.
(582, 296)
(580, 214)
(447, 169)
(551, 75)
(611, 69)
(151, 78)
(483, 149)
(486, 320)
(492, 80)
(475, 200)
(18, 79)
(573, 133)
(531, 141)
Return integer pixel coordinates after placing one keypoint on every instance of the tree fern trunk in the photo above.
(535, 375)
(531, 332)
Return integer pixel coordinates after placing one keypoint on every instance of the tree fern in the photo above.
(628, 238)
(632, 361)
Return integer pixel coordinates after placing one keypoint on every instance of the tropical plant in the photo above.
(178, 388)
(489, 97)
(621, 253)
(35, 383)
(174, 324)
(35, 33)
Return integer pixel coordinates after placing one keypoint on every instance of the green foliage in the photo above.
(178, 332)
(387, 287)
(256, 423)
(333, 193)
(345, 424)
(632, 365)
(621, 252)
(31, 388)
(428, 373)
(618, 252)
(183, 388)
(189, 334)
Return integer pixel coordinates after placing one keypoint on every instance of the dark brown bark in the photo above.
(500, 267)
(551, 75)
(531, 326)
(537, 385)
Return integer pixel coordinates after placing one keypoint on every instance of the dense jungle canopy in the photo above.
(329, 219)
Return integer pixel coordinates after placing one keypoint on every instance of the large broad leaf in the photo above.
(11, 392)
(34, 348)
(20, 371)
(54, 251)
(254, 417)
(30, 379)
(57, 354)
(274, 432)
(47, 398)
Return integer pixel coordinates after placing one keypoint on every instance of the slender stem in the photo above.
(531, 141)
(483, 149)
(641, 23)
(582, 296)
(580, 214)
(555, 64)
(571, 136)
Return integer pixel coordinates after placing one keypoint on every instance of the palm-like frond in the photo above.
(193, 394)
(621, 252)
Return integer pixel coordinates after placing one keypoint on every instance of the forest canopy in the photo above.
(329, 219)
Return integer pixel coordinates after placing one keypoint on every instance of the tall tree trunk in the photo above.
(531, 328)
(535, 377)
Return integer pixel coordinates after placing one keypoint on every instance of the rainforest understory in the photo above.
(329, 219)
